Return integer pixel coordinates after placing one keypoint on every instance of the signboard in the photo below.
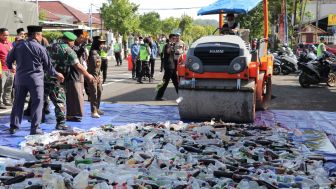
(332, 20)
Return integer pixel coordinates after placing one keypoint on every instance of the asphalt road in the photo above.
(120, 88)
(289, 95)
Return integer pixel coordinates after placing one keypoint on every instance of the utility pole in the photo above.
(317, 13)
(317, 17)
(90, 21)
(37, 9)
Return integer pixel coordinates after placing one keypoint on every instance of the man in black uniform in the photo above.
(170, 67)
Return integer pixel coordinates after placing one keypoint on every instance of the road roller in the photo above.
(222, 78)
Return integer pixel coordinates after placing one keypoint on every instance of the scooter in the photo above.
(288, 61)
(276, 66)
(321, 71)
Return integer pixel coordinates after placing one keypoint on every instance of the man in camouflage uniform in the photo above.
(63, 57)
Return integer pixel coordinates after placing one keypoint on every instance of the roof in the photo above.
(96, 15)
(309, 28)
(58, 8)
(49, 16)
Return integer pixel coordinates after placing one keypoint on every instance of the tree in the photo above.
(52, 35)
(42, 15)
(169, 24)
(185, 23)
(150, 22)
(120, 15)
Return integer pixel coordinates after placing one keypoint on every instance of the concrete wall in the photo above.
(325, 8)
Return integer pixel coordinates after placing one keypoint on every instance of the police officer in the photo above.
(135, 53)
(170, 66)
(103, 55)
(63, 57)
(153, 55)
(144, 56)
(32, 61)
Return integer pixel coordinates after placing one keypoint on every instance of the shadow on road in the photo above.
(143, 94)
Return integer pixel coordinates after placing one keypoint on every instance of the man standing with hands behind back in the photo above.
(32, 61)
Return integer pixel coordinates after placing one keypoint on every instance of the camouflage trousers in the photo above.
(56, 93)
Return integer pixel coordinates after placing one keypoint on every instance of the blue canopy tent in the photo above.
(229, 6)
(236, 7)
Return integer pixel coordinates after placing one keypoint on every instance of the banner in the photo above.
(332, 20)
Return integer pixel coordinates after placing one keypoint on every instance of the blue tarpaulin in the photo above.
(315, 128)
(229, 6)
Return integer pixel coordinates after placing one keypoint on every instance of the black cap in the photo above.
(78, 32)
(19, 30)
(98, 38)
(33, 29)
(322, 38)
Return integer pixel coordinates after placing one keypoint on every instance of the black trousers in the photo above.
(162, 62)
(169, 74)
(137, 68)
(134, 67)
(152, 66)
(117, 56)
(104, 68)
(144, 71)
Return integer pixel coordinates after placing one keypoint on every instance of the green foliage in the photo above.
(51, 35)
(254, 21)
(120, 15)
(150, 23)
(206, 22)
(195, 32)
(169, 24)
(185, 23)
(42, 15)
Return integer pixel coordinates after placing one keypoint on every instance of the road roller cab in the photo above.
(222, 78)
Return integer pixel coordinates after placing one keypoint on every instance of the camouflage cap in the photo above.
(69, 35)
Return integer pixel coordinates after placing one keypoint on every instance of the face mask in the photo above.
(141, 42)
(136, 42)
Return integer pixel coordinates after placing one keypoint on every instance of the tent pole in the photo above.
(221, 20)
(265, 19)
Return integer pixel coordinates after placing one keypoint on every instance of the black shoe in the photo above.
(36, 132)
(273, 97)
(13, 129)
(74, 119)
(61, 127)
(160, 99)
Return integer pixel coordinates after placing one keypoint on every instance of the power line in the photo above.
(182, 8)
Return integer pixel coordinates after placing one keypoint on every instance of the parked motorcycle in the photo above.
(322, 70)
(288, 61)
(276, 66)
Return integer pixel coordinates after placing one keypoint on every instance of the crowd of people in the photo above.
(144, 52)
(58, 71)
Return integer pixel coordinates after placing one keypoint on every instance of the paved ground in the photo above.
(289, 94)
(120, 88)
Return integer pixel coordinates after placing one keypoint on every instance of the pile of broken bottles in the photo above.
(194, 155)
